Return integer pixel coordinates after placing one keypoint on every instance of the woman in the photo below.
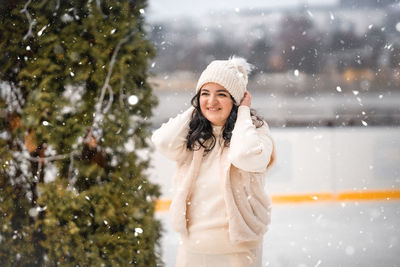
(222, 153)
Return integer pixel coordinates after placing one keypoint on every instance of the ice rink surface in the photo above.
(331, 234)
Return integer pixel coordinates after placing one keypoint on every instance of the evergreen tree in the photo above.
(74, 109)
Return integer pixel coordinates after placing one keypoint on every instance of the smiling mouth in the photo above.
(213, 109)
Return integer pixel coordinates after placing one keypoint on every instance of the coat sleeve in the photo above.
(251, 148)
(170, 138)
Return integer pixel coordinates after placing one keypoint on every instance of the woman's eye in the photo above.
(222, 94)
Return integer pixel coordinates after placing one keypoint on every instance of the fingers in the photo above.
(246, 100)
(247, 94)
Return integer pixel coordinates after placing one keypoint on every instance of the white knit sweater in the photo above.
(206, 206)
(241, 169)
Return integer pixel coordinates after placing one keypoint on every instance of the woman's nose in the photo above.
(213, 99)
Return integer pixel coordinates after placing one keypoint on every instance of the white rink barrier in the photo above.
(335, 160)
(320, 160)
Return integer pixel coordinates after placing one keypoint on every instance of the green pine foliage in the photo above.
(73, 149)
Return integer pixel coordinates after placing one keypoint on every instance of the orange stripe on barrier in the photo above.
(301, 198)
(369, 195)
(164, 204)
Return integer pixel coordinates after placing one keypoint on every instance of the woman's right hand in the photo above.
(246, 100)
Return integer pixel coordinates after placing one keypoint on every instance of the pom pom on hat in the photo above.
(232, 74)
(242, 65)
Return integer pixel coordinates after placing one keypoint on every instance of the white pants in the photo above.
(251, 258)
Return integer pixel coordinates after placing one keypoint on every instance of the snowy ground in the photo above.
(330, 234)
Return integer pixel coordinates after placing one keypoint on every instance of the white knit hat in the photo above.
(231, 74)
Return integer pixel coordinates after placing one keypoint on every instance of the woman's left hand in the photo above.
(246, 100)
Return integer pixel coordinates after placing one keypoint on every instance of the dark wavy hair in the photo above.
(200, 129)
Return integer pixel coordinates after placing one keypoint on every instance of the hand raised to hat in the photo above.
(246, 100)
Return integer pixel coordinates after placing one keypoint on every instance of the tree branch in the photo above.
(52, 158)
(106, 84)
(28, 16)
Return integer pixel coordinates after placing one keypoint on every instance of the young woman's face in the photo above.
(215, 103)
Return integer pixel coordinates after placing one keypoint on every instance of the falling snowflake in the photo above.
(138, 230)
(41, 30)
(133, 100)
(349, 250)
(129, 145)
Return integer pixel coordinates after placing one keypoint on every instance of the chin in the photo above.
(216, 123)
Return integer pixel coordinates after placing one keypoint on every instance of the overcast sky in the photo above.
(169, 9)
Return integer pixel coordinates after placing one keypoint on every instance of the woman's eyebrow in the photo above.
(219, 90)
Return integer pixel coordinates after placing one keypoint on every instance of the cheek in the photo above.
(202, 104)
(227, 108)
